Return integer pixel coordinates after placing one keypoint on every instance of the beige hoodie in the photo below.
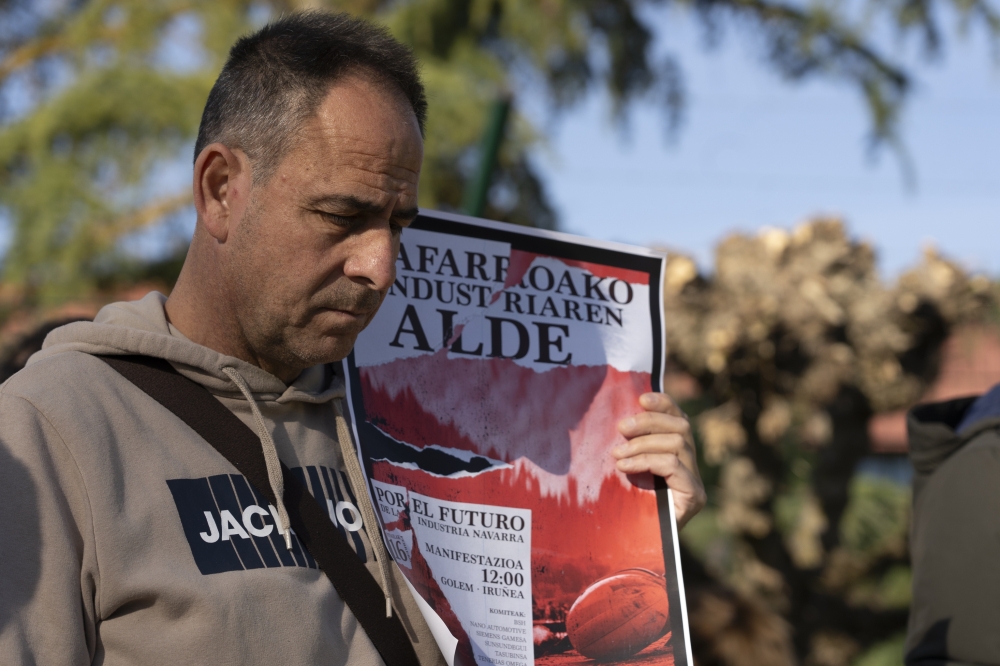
(127, 539)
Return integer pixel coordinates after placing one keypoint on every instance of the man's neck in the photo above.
(203, 315)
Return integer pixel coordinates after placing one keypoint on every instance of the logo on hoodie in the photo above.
(231, 527)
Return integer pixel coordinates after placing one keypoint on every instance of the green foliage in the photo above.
(876, 518)
(75, 172)
(888, 653)
(104, 107)
(873, 532)
(76, 169)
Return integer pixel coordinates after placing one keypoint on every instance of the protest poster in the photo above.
(484, 399)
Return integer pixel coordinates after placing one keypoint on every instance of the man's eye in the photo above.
(339, 220)
(395, 228)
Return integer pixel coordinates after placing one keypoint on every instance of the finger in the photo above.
(660, 402)
(648, 423)
(688, 489)
(678, 477)
(659, 444)
(660, 464)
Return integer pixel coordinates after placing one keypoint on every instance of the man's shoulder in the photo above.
(982, 445)
(968, 478)
(58, 379)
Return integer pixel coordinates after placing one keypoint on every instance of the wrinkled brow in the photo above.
(363, 206)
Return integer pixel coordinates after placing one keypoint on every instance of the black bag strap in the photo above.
(238, 444)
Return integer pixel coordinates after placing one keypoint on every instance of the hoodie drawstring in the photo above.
(357, 479)
(270, 456)
(354, 474)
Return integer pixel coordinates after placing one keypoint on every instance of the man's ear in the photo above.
(221, 188)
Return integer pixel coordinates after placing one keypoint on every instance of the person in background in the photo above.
(955, 536)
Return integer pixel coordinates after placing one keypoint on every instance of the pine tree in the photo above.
(93, 102)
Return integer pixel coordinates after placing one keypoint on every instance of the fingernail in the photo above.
(619, 451)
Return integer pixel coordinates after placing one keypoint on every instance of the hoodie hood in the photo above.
(938, 430)
(986, 406)
(141, 327)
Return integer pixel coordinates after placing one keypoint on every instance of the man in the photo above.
(306, 173)
(955, 539)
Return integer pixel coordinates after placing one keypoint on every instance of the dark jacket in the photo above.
(955, 537)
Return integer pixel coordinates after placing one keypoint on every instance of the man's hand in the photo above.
(660, 441)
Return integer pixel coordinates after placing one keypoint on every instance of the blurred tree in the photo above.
(796, 342)
(97, 95)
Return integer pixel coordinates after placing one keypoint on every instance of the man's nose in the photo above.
(372, 259)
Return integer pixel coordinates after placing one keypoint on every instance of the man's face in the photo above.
(315, 253)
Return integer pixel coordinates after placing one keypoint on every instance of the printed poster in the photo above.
(484, 398)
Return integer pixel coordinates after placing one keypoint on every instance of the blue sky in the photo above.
(756, 151)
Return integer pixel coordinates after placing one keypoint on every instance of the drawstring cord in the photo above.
(354, 474)
(270, 456)
(367, 512)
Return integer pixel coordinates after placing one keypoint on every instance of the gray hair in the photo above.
(276, 78)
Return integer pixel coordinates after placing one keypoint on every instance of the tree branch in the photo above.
(59, 42)
(141, 218)
(806, 41)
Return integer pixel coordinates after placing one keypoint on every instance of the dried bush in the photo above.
(796, 341)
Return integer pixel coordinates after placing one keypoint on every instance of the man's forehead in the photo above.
(365, 131)
(361, 204)
(356, 101)
(361, 149)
